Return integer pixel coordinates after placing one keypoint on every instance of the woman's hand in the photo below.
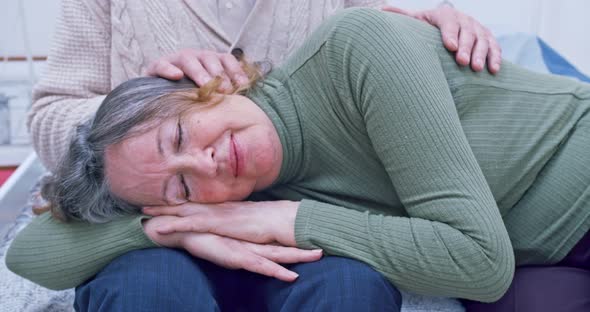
(461, 33)
(257, 222)
(200, 66)
(232, 253)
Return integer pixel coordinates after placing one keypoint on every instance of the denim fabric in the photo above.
(163, 279)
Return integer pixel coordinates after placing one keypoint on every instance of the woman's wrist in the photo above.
(150, 227)
(285, 233)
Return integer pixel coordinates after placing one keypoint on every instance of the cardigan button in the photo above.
(238, 53)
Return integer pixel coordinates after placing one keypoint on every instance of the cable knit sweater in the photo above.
(98, 44)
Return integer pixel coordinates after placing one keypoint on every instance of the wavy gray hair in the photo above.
(78, 190)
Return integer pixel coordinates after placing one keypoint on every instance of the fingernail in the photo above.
(479, 63)
(293, 275)
(175, 72)
(205, 79)
(453, 44)
(162, 229)
(496, 66)
(464, 55)
(317, 251)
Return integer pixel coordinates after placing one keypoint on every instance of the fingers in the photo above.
(234, 69)
(150, 226)
(267, 256)
(466, 42)
(178, 210)
(232, 227)
(494, 56)
(177, 65)
(281, 254)
(449, 31)
(200, 66)
(163, 68)
(186, 224)
(189, 63)
(472, 42)
(212, 63)
(183, 210)
(261, 265)
(233, 254)
(475, 47)
(480, 51)
(449, 23)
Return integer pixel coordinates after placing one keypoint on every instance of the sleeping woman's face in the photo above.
(208, 155)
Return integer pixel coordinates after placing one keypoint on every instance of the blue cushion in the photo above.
(559, 65)
(535, 54)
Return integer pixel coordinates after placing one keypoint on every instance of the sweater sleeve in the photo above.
(453, 242)
(61, 255)
(76, 78)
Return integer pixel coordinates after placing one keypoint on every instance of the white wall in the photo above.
(563, 24)
(40, 20)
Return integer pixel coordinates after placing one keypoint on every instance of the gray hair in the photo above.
(78, 190)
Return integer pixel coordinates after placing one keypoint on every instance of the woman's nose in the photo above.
(202, 163)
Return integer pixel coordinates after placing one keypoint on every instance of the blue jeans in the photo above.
(162, 279)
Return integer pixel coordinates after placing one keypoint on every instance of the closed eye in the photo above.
(179, 133)
(179, 136)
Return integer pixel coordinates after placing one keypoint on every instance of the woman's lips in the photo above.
(239, 154)
(234, 156)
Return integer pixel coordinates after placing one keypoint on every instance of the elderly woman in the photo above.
(369, 143)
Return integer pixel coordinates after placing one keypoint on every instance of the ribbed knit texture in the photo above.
(406, 162)
(73, 251)
(100, 44)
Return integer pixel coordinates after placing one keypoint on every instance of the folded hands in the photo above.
(255, 236)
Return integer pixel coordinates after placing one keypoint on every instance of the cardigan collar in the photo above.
(261, 24)
(258, 13)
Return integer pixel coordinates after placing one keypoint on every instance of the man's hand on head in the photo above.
(201, 66)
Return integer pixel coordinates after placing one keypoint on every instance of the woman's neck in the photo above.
(271, 136)
(275, 99)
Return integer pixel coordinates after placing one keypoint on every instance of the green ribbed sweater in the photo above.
(400, 158)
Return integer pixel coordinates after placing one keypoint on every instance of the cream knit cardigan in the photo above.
(99, 44)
